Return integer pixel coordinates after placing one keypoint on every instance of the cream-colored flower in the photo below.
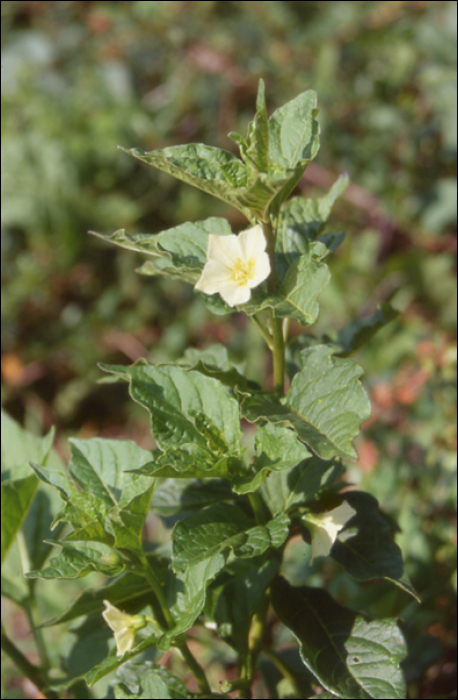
(123, 626)
(235, 265)
(325, 528)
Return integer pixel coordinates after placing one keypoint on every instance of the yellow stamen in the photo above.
(244, 271)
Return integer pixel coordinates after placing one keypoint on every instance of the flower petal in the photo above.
(252, 242)
(213, 276)
(124, 640)
(327, 526)
(234, 294)
(262, 270)
(341, 515)
(224, 249)
(322, 542)
(114, 618)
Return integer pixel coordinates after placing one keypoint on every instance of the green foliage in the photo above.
(238, 508)
(196, 408)
(325, 404)
(351, 657)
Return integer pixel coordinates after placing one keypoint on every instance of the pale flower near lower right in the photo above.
(325, 527)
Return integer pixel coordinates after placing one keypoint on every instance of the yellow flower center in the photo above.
(244, 271)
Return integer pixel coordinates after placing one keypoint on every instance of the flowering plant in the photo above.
(235, 512)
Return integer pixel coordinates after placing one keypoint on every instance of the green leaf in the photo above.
(101, 467)
(220, 527)
(224, 176)
(16, 498)
(18, 447)
(78, 560)
(356, 334)
(301, 224)
(37, 526)
(194, 419)
(129, 519)
(174, 496)
(214, 362)
(367, 550)
(294, 133)
(306, 278)
(151, 681)
(179, 252)
(191, 463)
(325, 404)
(255, 148)
(186, 594)
(278, 448)
(112, 663)
(210, 169)
(85, 512)
(349, 656)
(23, 504)
(303, 484)
(240, 599)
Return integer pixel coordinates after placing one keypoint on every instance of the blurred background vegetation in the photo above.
(79, 78)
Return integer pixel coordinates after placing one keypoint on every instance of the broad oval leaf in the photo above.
(351, 657)
(184, 406)
(294, 133)
(325, 404)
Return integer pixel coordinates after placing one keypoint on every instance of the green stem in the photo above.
(278, 354)
(158, 592)
(255, 637)
(282, 667)
(33, 673)
(258, 507)
(31, 607)
(195, 667)
(264, 332)
(278, 342)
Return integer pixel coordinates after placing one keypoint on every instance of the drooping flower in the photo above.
(325, 528)
(123, 626)
(235, 265)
